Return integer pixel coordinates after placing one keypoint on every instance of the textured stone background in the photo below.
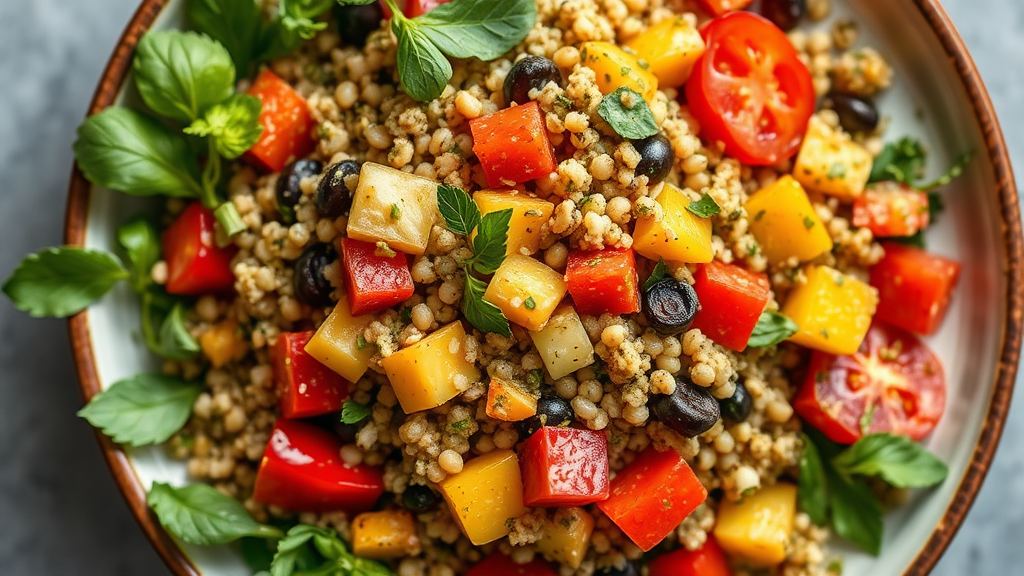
(60, 512)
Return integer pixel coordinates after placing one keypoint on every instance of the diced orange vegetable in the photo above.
(833, 310)
(509, 402)
(566, 536)
(526, 290)
(512, 145)
(719, 7)
(221, 343)
(486, 495)
(529, 214)
(615, 68)
(680, 236)
(339, 343)
(670, 48)
(287, 124)
(431, 371)
(785, 224)
(831, 163)
(385, 534)
(758, 527)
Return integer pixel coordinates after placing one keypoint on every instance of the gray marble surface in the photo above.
(60, 512)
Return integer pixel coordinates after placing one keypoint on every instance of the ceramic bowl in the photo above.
(938, 96)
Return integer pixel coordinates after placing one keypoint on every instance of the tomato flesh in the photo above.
(498, 564)
(195, 264)
(373, 283)
(719, 7)
(750, 90)
(512, 145)
(709, 560)
(287, 124)
(891, 209)
(564, 467)
(914, 287)
(413, 8)
(603, 281)
(732, 299)
(305, 386)
(894, 383)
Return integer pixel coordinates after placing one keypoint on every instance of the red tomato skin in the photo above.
(195, 264)
(710, 560)
(602, 281)
(564, 467)
(914, 287)
(305, 386)
(302, 471)
(837, 389)
(498, 564)
(891, 209)
(413, 8)
(732, 299)
(373, 283)
(719, 7)
(652, 495)
(512, 145)
(287, 124)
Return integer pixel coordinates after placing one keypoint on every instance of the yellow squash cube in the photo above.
(339, 345)
(431, 371)
(394, 207)
(833, 310)
(680, 236)
(529, 215)
(387, 534)
(486, 495)
(785, 224)
(222, 343)
(566, 536)
(526, 290)
(670, 48)
(509, 402)
(615, 68)
(758, 528)
(563, 344)
(830, 163)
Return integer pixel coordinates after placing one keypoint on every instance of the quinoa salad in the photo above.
(519, 287)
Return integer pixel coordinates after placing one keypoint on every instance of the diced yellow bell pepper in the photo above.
(566, 536)
(563, 344)
(431, 371)
(680, 236)
(394, 207)
(670, 48)
(486, 495)
(386, 534)
(785, 224)
(509, 402)
(526, 290)
(615, 68)
(758, 527)
(529, 214)
(833, 310)
(339, 345)
(830, 163)
(221, 343)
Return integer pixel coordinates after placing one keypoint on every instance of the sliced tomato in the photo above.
(287, 124)
(709, 560)
(498, 564)
(195, 264)
(413, 8)
(305, 386)
(603, 281)
(914, 287)
(732, 299)
(719, 7)
(894, 383)
(564, 467)
(750, 90)
(512, 145)
(891, 209)
(373, 283)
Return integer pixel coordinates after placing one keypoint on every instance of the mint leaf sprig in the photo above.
(200, 514)
(772, 327)
(311, 551)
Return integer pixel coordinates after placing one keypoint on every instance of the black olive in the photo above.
(333, 194)
(529, 73)
(785, 14)
(670, 306)
(856, 115)
(311, 287)
(355, 23)
(737, 408)
(629, 570)
(551, 411)
(288, 190)
(689, 411)
(419, 498)
(656, 158)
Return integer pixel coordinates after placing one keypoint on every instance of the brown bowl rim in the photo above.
(999, 403)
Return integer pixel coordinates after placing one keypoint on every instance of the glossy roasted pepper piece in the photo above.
(385, 534)
(305, 387)
(670, 48)
(757, 528)
(195, 264)
(833, 310)
(680, 235)
(431, 371)
(914, 287)
(603, 281)
(564, 467)
(615, 68)
(733, 299)
(340, 345)
(719, 7)
(529, 215)
(486, 495)
(565, 536)
(709, 560)
(512, 145)
(287, 125)
(785, 224)
(526, 290)
(498, 564)
(373, 281)
(509, 402)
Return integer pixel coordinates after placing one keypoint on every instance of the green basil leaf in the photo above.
(299, 16)
(901, 161)
(237, 24)
(490, 243)
(458, 209)
(772, 327)
(353, 412)
(856, 513)
(141, 241)
(182, 74)
(423, 69)
(659, 272)
(706, 207)
(200, 514)
(486, 317)
(233, 124)
(142, 410)
(896, 459)
(954, 172)
(356, 2)
(257, 553)
(129, 152)
(482, 29)
(626, 111)
(813, 487)
(176, 343)
(311, 550)
(58, 282)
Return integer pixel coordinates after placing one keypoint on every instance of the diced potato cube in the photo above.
(563, 344)
(529, 214)
(670, 48)
(431, 371)
(221, 343)
(386, 534)
(785, 224)
(615, 68)
(758, 528)
(339, 344)
(680, 236)
(509, 402)
(830, 163)
(833, 310)
(526, 290)
(566, 536)
(486, 495)
(394, 207)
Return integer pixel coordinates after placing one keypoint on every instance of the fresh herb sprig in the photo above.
(659, 272)
(772, 327)
(312, 550)
(626, 111)
(353, 412)
(706, 207)
(200, 514)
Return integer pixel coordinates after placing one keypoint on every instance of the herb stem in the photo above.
(147, 321)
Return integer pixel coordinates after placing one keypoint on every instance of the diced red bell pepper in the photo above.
(710, 560)
(891, 209)
(195, 264)
(652, 495)
(498, 564)
(305, 386)
(731, 301)
(287, 124)
(512, 145)
(914, 287)
(373, 283)
(603, 281)
(719, 7)
(564, 467)
(413, 8)
(302, 471)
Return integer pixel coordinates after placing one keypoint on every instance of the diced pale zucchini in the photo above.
(785, 224)
(831, 163)
(431, 371)
(385, 534)
(833, 310)
(526, 290)
(566, 535)
(486, 495)
(758, 528)
(394, 207)
(339, 344)
(563, 344)
(680, 236)
(529, 215)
